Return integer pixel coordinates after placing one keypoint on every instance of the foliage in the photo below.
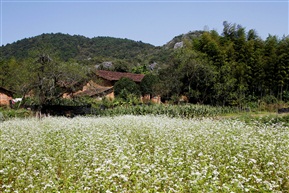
(271, 119)
(47, 79)
(148, 84)
(82, 49)
(233, 68)
(178, 111)
(143, 154)
(125, 87)
(14, 113)
(227, 69)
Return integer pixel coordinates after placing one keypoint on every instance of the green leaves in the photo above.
(148, 84)
(125, 87)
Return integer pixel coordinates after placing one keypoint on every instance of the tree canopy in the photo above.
(125, 87)
(228, 69)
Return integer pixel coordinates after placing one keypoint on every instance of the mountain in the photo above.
(80, 48)
(94, 51)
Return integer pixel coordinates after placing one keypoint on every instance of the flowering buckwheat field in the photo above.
(143, 154)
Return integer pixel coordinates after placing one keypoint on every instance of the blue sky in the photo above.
(154, 22)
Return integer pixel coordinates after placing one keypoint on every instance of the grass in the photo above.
(143, 154)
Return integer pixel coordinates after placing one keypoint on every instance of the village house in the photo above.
(6, 97)
(102, 86)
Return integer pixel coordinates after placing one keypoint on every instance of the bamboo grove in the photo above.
(233, 68)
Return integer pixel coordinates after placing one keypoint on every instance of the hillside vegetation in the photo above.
(235, 68)
(67, 47)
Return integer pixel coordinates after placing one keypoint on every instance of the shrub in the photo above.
(125, 87)
(147, 85)
(15, 113)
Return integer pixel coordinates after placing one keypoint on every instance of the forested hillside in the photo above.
(67, 47)
(235, 67)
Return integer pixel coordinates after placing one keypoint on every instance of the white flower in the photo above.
(200, 154)
(86, 188)
(123, 177)
(252, 161)
(47, 186)
(270, 164)
(215, 172)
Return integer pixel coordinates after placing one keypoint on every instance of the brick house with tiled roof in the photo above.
(103, 87)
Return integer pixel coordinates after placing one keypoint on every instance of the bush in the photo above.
(126, 87)
(15, 113)
(147, 85)
(270, 99)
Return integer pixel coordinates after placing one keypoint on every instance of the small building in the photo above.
(103, 85)
(6, 97)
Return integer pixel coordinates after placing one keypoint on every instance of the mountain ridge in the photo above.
(80, 48)
(73, 46)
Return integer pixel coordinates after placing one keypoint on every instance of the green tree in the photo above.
(140, 69)
(170, 83)
(195, 74)
(50, 79)
(125, 87)
(6, 72)
(148, 84)
(121, 66)
(270, 66)
(255, 73)
(283, 66)
(224, 86)
(210, 45)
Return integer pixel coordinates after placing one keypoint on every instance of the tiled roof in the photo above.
(5, 91)
(110, 75)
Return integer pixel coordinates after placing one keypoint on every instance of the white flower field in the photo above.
(142, 154)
